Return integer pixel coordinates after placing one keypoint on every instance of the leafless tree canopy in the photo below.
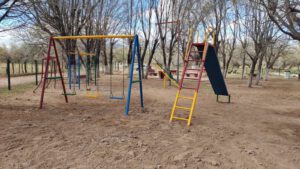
(252, 34)
(285, 14)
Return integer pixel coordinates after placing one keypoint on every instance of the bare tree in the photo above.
(165, 12)
(12, 14)
(146, 12)
(5, 7)
(228, 33)
(285, 14)
(257, 26)
(62, 18)
(274, 52)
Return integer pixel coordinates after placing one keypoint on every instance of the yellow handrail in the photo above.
(188, 44)
(92, 37)
(167, 76)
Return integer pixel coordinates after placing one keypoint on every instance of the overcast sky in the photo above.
(7, 38)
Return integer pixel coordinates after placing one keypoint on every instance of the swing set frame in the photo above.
(135, 52)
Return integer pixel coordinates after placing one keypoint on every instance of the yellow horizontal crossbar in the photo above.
(181, 107)
(180, 118)
(92, 37)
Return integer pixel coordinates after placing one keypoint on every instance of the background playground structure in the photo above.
(52, 56)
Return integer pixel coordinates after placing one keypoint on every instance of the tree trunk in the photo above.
(111, 55)
(259, 70)
(88, 69)
(243, 66)
(252, 72)
(19, 67)
(224, 64)
(13, 67)
(106, 67)
(129, 56)
(151, 56)
(144, 55)
(267, 74)
(25, 66)
(31, 67)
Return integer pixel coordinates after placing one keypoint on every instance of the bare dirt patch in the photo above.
(259, 129)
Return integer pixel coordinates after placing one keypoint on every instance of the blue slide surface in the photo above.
(213, 71)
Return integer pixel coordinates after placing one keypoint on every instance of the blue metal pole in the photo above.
(69, 71)
(140, 67)
(131, 75)
(78, 64)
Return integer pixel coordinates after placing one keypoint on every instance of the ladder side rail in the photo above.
(46, 72)
(60, 72)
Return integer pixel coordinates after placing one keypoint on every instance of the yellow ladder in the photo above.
(190, 109)
(196, 89)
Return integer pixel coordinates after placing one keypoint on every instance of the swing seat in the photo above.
(92, 96)
(117, 97)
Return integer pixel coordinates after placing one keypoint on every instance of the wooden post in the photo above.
(8, 74)
(36, 72)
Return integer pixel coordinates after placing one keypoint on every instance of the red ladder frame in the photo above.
(52, 44)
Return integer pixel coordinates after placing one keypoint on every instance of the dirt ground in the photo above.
(259, 129)
(17, 80)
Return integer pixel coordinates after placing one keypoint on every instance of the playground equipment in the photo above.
(89, 92)
(87, 76)
(134, 55)
(53, 72)
(167, 75)
(208, 60)
(121, 97)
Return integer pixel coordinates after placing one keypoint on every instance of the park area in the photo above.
(259, 129)
(149, 84)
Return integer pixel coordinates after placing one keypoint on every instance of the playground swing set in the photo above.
(122, 96)
(135, 55)
(51, 77)
(88, 76)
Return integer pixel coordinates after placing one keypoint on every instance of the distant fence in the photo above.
(8, 72)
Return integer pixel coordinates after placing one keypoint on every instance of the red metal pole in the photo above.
(186, 62)
(60, 73)
(46, 72)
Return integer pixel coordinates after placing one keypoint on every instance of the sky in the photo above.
(7, 38)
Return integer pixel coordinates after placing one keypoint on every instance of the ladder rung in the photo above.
(192, 69)
(196, 51)
(195, 60)
(180, 118)
(184, 97)
(188, 88)
(181, 107)
(191, 78)
(58, 77)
